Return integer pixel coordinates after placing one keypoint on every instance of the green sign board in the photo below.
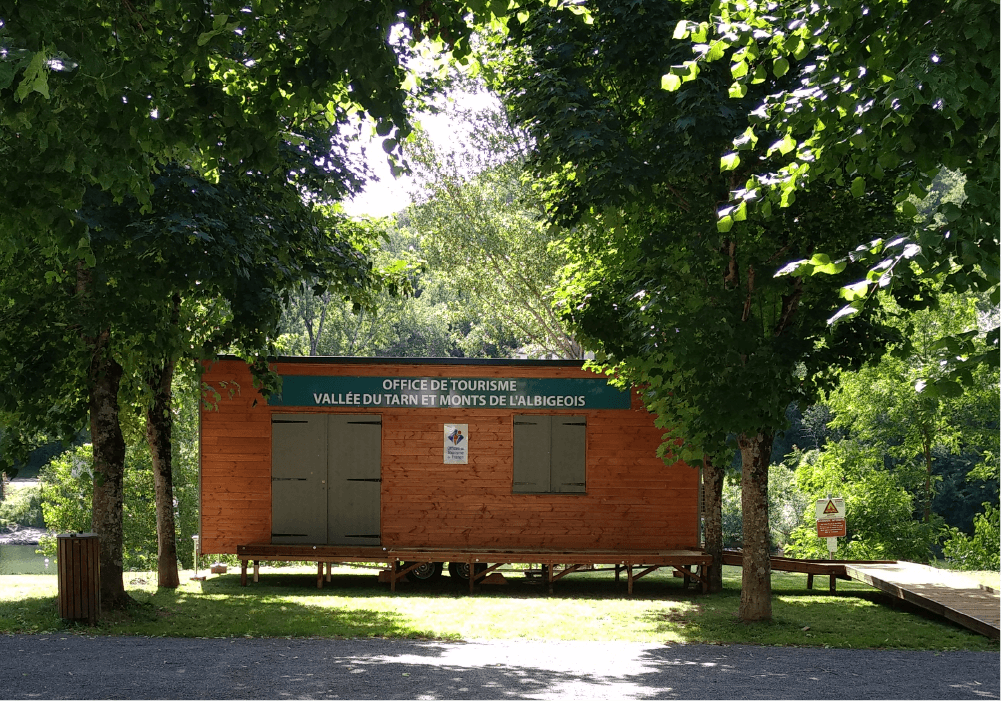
(449, 392)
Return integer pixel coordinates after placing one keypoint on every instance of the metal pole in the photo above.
(194, 538)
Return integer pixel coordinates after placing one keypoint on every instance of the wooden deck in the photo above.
(947, 594)
(689, 564)
(835, 569)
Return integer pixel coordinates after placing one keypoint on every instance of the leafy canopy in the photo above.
(101, 94)
(868, 92)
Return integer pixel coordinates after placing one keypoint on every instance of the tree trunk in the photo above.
(712, 487)
(926, 450)
(158, 432)
(109, 472)
(756, 582)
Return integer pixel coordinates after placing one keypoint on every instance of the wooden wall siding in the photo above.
(633, 499)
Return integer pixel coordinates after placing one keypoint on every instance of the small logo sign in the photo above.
(456, 446)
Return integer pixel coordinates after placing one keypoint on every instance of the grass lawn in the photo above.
(286, 603)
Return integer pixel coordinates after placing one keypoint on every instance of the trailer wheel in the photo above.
(424, 573)
(460, 570)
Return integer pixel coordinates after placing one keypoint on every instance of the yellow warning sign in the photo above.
(831, 507)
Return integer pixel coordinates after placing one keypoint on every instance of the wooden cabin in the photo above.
(372, 459)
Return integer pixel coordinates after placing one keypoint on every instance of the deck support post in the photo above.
(401, 561)
(809, 580)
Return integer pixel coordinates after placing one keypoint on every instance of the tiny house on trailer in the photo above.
(420, 462)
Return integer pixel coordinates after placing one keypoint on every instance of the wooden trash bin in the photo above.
(78, 557)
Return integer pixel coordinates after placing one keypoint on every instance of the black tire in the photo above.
(460, 570)
(424, 573)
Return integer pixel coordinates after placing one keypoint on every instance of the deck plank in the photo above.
(949, 594)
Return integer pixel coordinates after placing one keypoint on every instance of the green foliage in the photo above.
(422, 322)
(915, 453)
(878, 505)
(94, 96)
(21, 506)
(787, 505)
(733, 524)
(982, 550)
(482, 229)
(925, 99)
(230, 251)
(665, 298)
(67, 489)
(942, 440)
(479, 262)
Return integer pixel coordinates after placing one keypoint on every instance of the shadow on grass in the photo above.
(855, 617)
(575, 586)
(33, 614)
(281, 608)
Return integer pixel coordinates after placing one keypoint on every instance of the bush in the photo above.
(878, 507)
(67, 489)
(786, 503)
(22, 506)
(982, 551)
(733, 525)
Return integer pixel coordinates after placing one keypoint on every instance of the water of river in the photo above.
(22, 559)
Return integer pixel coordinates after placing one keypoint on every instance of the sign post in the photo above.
(831, 523)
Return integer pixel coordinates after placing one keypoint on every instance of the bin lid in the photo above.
(77, 535)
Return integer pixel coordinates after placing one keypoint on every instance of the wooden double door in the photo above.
(326, 479)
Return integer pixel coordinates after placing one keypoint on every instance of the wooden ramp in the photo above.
(944, 593)
(951, 595)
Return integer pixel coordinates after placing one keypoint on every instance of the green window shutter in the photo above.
(532, 436)
(569, 443)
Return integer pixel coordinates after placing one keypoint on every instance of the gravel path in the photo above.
(70, 666)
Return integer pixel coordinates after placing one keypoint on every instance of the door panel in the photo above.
(354, 466)
(298, 478)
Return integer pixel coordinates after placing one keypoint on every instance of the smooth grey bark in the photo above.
(109, 471)
(159, 431)
(756, 579)
(159, 426)
(712, 487)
